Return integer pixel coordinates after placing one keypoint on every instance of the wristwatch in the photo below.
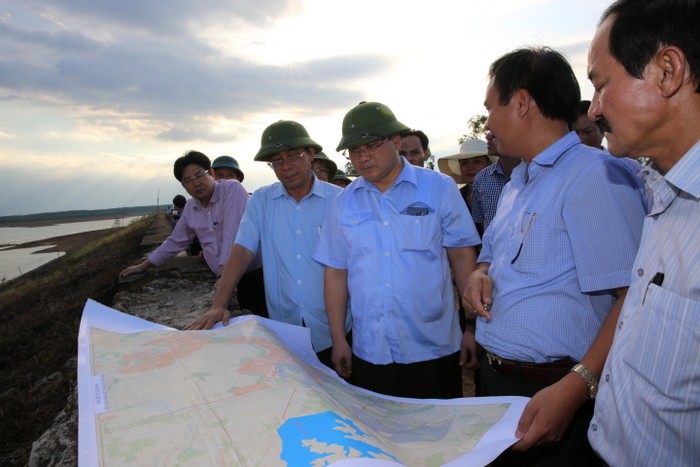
(590, 379)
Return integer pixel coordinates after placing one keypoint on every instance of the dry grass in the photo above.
(39, 319)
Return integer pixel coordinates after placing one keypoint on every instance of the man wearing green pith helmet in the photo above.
(324, 168)
(387, 245)
(283, 220)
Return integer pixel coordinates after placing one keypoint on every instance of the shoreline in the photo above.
(66, 243)
(66, 220)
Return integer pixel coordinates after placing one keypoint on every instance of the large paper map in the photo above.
(241, 395)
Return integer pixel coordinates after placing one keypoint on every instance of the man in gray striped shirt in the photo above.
(644, 64)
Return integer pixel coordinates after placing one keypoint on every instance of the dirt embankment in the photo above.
(39, 320)
(39, 317)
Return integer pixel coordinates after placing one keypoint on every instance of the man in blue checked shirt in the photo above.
(488, 184)
(555, 262)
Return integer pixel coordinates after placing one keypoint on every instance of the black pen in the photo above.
(657, 280)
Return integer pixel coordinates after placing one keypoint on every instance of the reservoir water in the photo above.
(16, 262)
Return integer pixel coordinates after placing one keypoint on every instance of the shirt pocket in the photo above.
(521, 249)
(419, 233)
(666, 346)
(357, 229)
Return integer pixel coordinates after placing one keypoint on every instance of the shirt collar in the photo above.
(278, 190)
(407, 174)
(214, 197)
(684, 176)
(549, 156)
(496, 168)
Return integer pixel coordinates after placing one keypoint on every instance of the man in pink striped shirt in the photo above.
(212, 215)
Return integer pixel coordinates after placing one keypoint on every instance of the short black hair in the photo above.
(424, 141)
(583, 107)
(641, 27)
(190, 157)
(179, 201)
(545, 74)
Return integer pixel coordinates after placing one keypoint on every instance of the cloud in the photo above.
(100, 96)
(132, 61)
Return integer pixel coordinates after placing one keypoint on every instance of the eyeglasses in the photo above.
(322, 170)
(278, 164)
(369, 147)
(197, 176)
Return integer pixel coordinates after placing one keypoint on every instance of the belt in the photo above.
(536, 373)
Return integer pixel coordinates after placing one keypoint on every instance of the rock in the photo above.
(46, 382)
(58, 446)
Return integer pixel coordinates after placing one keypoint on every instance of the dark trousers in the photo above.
(440, 378)
(572, 450)
(251, 293)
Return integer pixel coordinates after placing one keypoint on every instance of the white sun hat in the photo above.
(470, 148)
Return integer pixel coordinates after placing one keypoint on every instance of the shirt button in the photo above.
(299, 282)
(619, 325)
(655, 216)
(298, 207)
(417, 221)
(298, 232)
(387, 285)
(640, 272)
(607, 378)
(298, 256)
(594, 426)
(386, 253)
(386, 223)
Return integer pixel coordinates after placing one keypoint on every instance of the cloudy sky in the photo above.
(99, 97)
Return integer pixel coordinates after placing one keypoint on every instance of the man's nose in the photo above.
(594, 110)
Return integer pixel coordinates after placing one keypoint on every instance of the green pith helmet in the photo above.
(330, 165)
(367, 122)
(283, 136)
(340, 175)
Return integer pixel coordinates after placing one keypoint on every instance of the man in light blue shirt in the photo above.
(644, 63)
(555, 262)
(284, 221)
(387, 244)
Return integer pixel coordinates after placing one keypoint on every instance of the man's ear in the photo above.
(524, 101)
(672, 68)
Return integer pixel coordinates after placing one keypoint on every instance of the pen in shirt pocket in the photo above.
(657, 280)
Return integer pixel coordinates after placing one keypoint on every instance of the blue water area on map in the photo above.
(314, 438)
